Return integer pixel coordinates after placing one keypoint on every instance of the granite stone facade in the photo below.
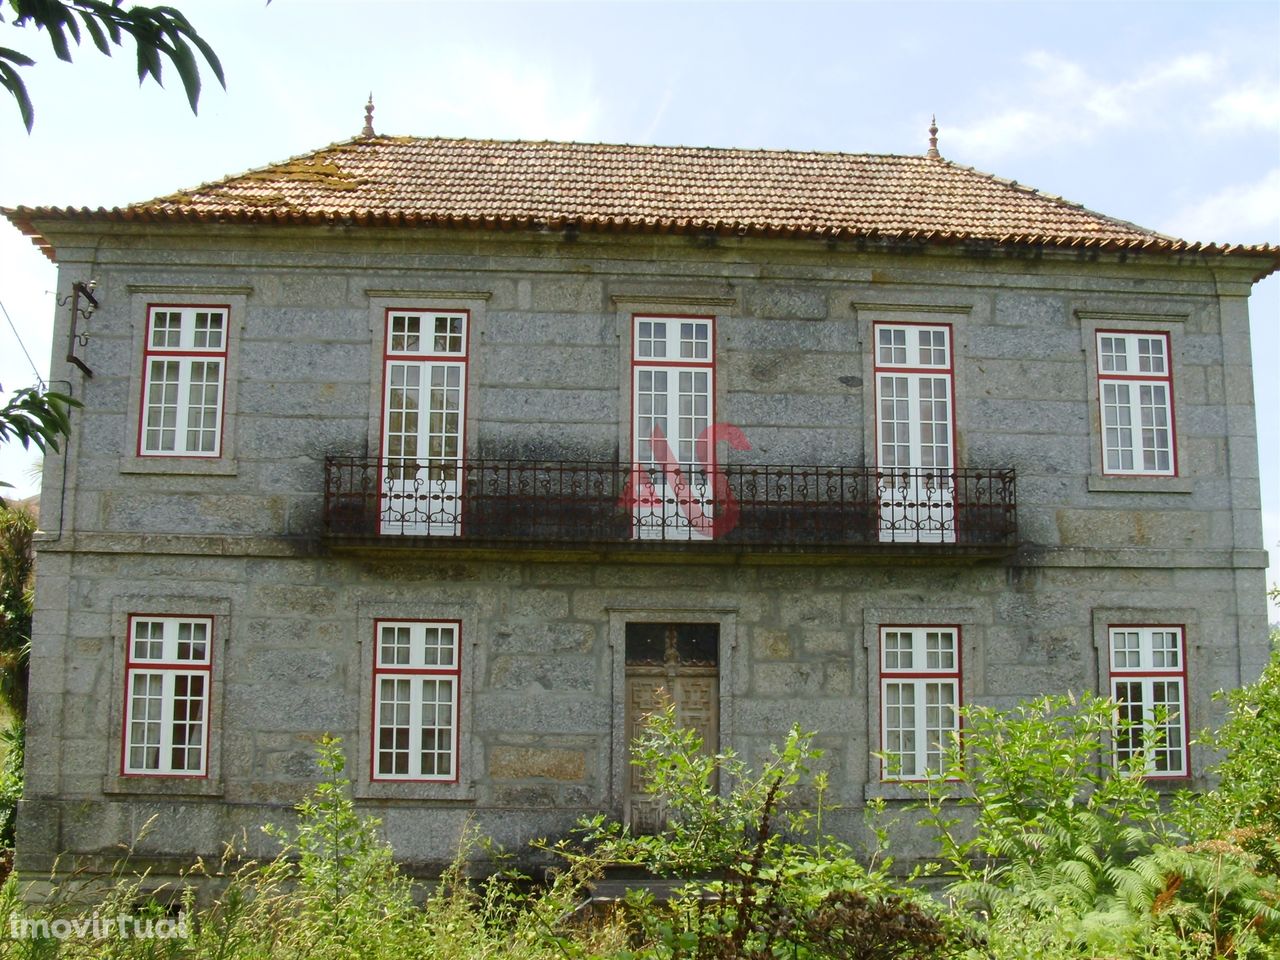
(541, 726)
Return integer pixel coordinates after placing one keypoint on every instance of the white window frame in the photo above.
(1148, 659)
(679, 350)
(915, 673)
(415, 672)
(436, 356)
(917, 498)
(183, 351)
(154, 654)
(1137, 424)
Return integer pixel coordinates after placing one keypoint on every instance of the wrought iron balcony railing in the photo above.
(565, 502)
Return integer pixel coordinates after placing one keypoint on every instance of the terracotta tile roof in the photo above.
(604, 187)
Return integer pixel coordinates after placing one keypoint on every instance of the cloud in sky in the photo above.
(1251, 105)
(518, 100)
(1239, 213)
(1062, 101)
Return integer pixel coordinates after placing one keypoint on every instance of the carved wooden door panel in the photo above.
(676, 663)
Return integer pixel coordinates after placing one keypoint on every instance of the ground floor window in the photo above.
(919, 698)
(416, 672)
(1149, 686)
(168, 672)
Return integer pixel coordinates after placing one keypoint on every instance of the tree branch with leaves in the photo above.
(35, 416)
(159, 33)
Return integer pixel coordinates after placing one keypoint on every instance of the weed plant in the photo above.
(1050, 852)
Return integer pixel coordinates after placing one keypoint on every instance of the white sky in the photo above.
(1165, 114)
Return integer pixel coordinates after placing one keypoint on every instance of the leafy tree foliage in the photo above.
(32, 416)
(16, 596)
(1245, 806)
(16, 575)
(159, 33)
(756, 878)
(1067, 854)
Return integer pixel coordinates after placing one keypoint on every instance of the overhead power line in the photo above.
(18, 336)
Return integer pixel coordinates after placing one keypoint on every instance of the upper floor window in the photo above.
(1148, 682)
(424, 421)
(673, 398)
(168, 671)
(416, 672)
(1135, 393)
(915, 420)
(919, 698)
(184, 378)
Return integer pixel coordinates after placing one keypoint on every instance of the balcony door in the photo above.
(668, 663)
(673, 386)
(423, 423)
(915, 433)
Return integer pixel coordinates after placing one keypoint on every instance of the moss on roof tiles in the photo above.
(441, 181)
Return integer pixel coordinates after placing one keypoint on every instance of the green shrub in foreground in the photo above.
(1071, 855)
(761, 878)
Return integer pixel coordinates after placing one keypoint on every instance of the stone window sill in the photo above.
(162, 786)
(1100, 484)
(180, 466)
(914, 790)
(383, 790)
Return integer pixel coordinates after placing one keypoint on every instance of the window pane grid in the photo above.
(920, 697)
(914, 423)
(183, 389)
(425, 333)
(416, 691)
(673, 401)
(1149, 689)
(1137, 414)
(912, 346)
(424, 423)
(672, 340)
(167, 704)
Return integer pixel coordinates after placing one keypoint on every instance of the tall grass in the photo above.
(1053, 863)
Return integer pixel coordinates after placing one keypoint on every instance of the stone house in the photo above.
(464, 450)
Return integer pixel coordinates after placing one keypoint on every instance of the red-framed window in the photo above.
(919, 699)
(673, 408)
(1135, 398)
(184, 381)
(416, 676)
(1149, 686)
(168, 674)
(915, 431)
(914, 421)
(424, 420)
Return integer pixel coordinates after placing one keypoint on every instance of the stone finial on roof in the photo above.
(368, 117)
(933, 139)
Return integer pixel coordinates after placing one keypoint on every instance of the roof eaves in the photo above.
(23, 218)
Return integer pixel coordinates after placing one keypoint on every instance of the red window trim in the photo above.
(426, 354)
(1144, 377)
(951, 345)
(388, 358)
(130, 665)
(708, 364)
(148, 352)
(881, 675)
(455, 672)
(877, 368)
(1139, 673)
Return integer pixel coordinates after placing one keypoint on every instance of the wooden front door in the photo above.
(677, 663)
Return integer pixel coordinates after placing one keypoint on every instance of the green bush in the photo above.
(760, 878)
(1066, 853)
(1051, 852)
(1245, 806)
(12, 741)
